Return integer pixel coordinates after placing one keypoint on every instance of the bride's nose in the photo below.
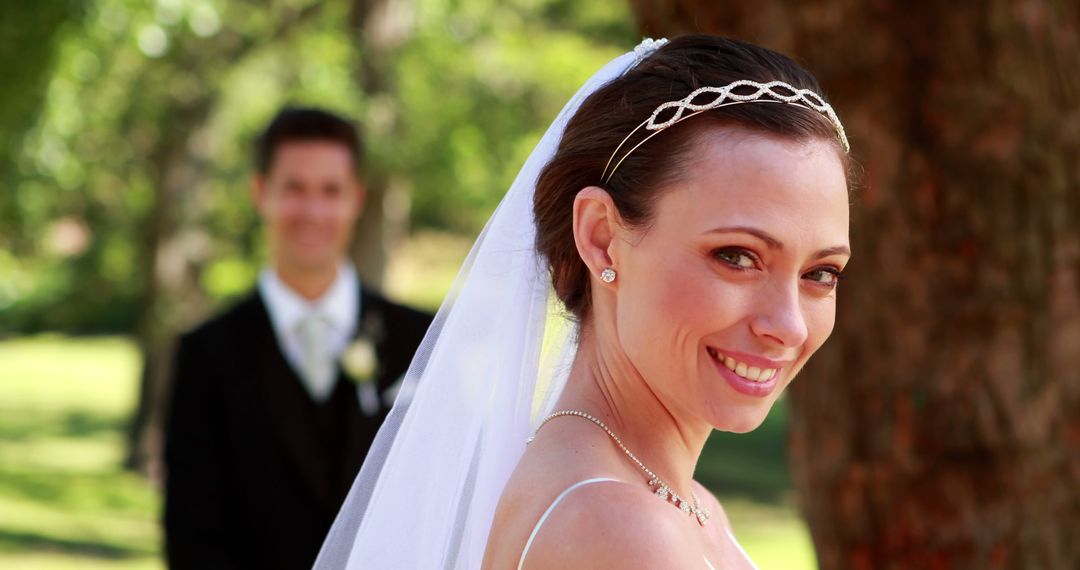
(779, 315)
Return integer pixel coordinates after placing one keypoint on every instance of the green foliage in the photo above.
(482, 82)
(134, 121)
(28, 41)
(760, 471)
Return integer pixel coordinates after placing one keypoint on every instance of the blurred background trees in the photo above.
(940, 427)
(126, 205)
(127, 127)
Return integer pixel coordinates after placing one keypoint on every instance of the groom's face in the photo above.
(309, 200)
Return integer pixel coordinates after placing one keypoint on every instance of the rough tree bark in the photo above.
(940, 427)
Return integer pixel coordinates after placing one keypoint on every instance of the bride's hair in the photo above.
(610, 114)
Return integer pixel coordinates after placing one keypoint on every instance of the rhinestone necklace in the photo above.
(661, 488)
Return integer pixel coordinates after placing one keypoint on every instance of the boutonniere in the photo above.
(359, 360)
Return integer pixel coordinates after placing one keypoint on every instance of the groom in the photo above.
(277, 400)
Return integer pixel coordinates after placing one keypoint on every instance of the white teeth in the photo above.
(752, 373)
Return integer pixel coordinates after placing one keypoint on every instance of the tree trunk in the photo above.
(380, 26)
(171, 297)
(940, 427)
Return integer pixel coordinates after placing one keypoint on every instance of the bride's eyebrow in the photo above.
(769, 240)
(776, 244)
(836, 250)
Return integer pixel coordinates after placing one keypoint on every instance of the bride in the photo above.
(687, 213)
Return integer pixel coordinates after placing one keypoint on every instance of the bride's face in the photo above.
(724, 296)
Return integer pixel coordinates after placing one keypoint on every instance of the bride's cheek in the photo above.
(821, 319)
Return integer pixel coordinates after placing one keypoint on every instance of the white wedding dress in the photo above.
(578, 485)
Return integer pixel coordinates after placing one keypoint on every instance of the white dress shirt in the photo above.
(338, 307)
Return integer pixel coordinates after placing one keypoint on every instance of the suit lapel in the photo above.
(360, 426)
(372, 324)
(371, 328)
(289, 405)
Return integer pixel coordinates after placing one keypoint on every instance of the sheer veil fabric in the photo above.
(493, 362)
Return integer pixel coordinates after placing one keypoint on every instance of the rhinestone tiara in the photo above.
(646, 48)
(724, 96)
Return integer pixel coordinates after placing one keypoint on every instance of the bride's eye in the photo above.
(825, 276)
(735, 257)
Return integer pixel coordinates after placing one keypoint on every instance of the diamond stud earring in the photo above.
(607, 275)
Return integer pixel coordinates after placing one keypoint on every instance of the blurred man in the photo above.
(277, 400)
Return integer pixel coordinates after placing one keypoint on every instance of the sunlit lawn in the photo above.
(66, 503)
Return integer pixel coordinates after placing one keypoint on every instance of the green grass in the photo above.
(64, 500)
(66, 503)
(772, 534)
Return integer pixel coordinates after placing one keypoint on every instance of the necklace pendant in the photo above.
(659, 487)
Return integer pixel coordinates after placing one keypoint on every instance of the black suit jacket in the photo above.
(256, 470)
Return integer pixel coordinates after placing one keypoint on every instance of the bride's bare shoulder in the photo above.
(612, 524)
(712, 504)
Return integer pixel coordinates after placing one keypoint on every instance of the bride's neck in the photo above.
(605, 384)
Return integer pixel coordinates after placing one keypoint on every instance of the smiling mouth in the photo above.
(308, 238)
(743, 370)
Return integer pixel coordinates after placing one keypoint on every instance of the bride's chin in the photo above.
(739, 421)
(741, 428)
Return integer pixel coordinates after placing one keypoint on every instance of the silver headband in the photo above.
(725, 96)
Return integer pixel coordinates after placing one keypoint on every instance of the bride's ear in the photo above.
(596, 221)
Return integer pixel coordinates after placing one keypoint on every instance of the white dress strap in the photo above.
(539, 523)
(742, 551)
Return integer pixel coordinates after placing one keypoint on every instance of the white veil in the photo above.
(494, 360)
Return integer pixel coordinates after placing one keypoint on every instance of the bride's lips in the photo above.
(742, 385)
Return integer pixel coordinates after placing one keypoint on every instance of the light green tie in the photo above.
(317, 366)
